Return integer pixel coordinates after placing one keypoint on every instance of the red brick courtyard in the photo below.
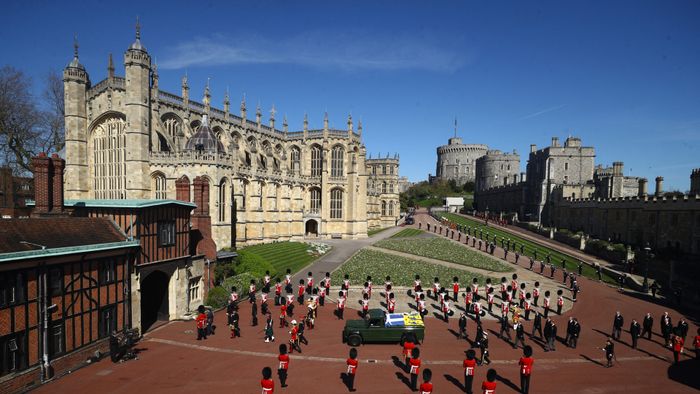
(172, 360)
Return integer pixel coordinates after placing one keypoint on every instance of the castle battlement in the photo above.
(650, 199)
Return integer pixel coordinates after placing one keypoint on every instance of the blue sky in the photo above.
(622, 75)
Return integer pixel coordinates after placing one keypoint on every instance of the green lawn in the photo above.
(376, 231)
(443, 249)
(530, 246)
(283, 255)
(407, 232)
(402, 270)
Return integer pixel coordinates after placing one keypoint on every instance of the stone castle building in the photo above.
(457, 161)
(497, 168)
(127, 139)
(382, 191)
(565, 189)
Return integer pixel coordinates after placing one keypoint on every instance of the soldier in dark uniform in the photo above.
(666, 327)
(580, 268)
(569, 328)
(552, 270)
(522, 249)
(574, 290)
(541, 267)
(635, 330)
(618, 322)
(519, 334)
(647, 325)
(550, 335)
(532, 262)
(537, 325)
(505, 328)
(575, 332)
(484, 347)
(609, 352)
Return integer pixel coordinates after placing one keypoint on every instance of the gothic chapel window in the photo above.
(337, 161)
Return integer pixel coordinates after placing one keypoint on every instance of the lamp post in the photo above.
(647, 257)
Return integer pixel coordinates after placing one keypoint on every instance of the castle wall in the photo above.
(662, 222)
(496, 169)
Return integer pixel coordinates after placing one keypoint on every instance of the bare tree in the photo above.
(26, 129)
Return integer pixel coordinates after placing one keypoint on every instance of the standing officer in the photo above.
(635, 330)
(550, 335)
(609, 352)
(575, 332)
(647, 324)
(618, 322)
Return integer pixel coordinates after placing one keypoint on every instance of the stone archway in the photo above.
(154, 299)
(311, 228)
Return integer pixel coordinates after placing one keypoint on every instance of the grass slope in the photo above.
(402, 270)
(283, 255)
(530, 246)
(408, 232)
(376, 231)
(443, 249)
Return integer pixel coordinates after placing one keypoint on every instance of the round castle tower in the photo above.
(458, 161)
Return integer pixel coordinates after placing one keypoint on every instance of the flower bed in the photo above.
(401, 269)
(443, 249)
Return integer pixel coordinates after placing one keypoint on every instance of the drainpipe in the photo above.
(45, 366)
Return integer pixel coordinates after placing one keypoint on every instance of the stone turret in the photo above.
(206, 100)
(695, 181)
(137, 63)
(185, 92)
(76, 82)
(273, 111)
(244, 111)
(227, 105)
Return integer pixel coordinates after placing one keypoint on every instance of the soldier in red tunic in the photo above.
(677, 343)
(201, 323)
(414, 368)
(267, 384)
(391, 305)
(352, 369)
(283, 359)
(426, 387)
(469, 365)
(300, 292)
(489, 385)
(525, 369)
(408, 344)
(278, 291)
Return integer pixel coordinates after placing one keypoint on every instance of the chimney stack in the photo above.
(533, 148)
(642, 187)
(42, 184)
(58, 165)
(659, 186)
(182, 189)
(618, 168)
(555, 142)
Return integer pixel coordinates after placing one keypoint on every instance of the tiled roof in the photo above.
(132, 203)
(18, 235)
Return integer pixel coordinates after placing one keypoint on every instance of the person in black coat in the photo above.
(682, 328)
(618, 322)
(666, 327)
(569, 328)
(537, 325)
(575, 332)
(550, 335)
(505, 328)
(635, 331)
(647, 324)
(519, 335)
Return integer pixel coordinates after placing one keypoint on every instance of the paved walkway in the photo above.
(342, 250)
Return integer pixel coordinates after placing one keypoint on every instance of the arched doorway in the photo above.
(154, 299)
(311, 227)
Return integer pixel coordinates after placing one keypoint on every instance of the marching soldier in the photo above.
(505, 328)
(618, 322)
(446, 308)
(514, 284)
(352, 363)
(519, 334)
(278, 291)
(560, 301)
(525, 364)
(426, 387)
(369, 286)
(536, 293)
(283, 359)
(341, 305)
(455, 288)
(574, 290)
(309, 282)
(365, 305)
(552, 270)
(475, 289)
(294, 338)
(542, 265)
(416, 284)
(580, 268)
(489, 385)
(647, 324)
(476, 307)
(254, 313)
(469, 365)
(532, 262)
(408, 344)
(462, 326)
(288, 281)
(251, 291)
(300, 291)
(677, 348)
(391, 304)
(484, 346)
(346, 282)
(489, 297)
(504, 288)
(267, 384)
(528, 306)
(414, 367)
(521, 295)
(635, 330)
(599, 271)
(537, 325)
(421, 306)
(545, 305)
(565, 276)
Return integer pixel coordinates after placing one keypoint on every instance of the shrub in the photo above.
(241, 281)
(253, 264)
(223, 271)
(217, 297)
